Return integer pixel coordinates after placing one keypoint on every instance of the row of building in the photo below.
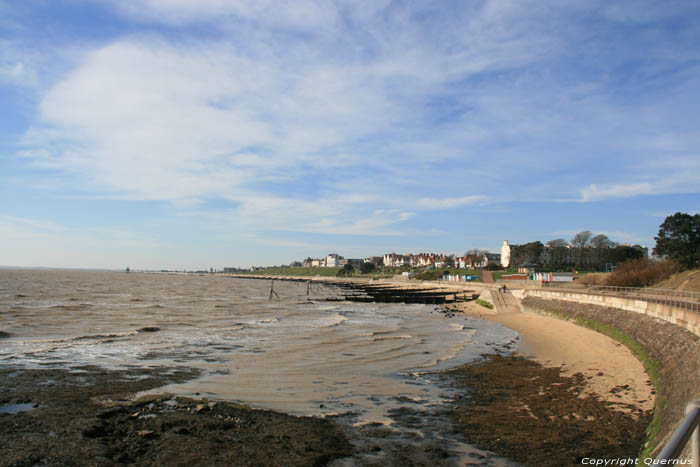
(420, 260)
(547, 256)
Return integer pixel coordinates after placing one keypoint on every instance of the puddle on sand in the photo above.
(17, 408)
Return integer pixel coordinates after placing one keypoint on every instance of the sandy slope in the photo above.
(613, 372)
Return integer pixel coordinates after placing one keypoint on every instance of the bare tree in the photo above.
(601, 245)
(601, 241)
(557, 243)
(558, 251)
(580, 241)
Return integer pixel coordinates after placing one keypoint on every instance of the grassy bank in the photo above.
(288, 271)
(384, 273)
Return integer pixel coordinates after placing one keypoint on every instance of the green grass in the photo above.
(464, 272)
(498, 274)
(384, 273)
(285, 271)
(484, 303)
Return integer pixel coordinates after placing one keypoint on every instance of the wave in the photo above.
(336, 320)
(80, 338)
(385, 338)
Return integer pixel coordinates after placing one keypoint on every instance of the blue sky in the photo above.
(194, 134)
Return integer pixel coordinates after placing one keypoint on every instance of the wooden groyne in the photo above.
(362, 290)
(390, 293)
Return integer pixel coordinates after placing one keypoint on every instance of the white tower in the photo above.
(505, 254)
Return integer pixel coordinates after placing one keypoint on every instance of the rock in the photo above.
(145, 433)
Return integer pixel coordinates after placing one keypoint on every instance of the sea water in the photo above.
(297, 353)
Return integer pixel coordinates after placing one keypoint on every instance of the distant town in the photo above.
(584, 251)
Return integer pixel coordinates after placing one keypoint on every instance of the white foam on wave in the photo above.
(384, 338)
(335, 321)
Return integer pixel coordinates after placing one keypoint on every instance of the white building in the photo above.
(333, 260)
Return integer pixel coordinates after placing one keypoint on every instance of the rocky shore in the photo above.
(90, 418)
(538, 416)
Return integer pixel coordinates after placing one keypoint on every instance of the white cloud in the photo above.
(160, 122)
(22, 228)
(594, 192)
(449, 203)
(300, 13)
(669, 174)
(359, 104)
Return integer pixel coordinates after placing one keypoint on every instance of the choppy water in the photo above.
(291, 354)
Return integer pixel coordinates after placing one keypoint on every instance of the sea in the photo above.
(297, 353)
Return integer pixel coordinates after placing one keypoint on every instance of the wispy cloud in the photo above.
(350, 118)
(594, 192)
(450, 203)
(670, 175)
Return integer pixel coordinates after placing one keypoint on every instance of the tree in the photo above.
(601, 244)
(366, 268)
(557, 243)
(601, 241)
(581, 241)
(346, 270)
(527, 253)
(558, 252)
(622, 253)
(679, 239)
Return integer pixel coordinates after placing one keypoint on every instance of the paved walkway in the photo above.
(487, 276)
(505, 302)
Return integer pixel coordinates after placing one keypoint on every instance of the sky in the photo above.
(183, 134)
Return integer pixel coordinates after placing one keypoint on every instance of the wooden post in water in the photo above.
(272, 291)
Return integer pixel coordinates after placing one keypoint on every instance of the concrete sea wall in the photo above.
(684, 318)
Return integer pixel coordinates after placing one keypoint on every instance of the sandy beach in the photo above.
(606, 364)
(569, 393)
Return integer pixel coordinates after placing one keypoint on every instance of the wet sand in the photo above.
(606, 364)
(570, 393)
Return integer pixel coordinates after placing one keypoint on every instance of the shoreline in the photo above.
(516, 406)
(553, 342)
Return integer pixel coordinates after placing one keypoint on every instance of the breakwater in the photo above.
(363, 290)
